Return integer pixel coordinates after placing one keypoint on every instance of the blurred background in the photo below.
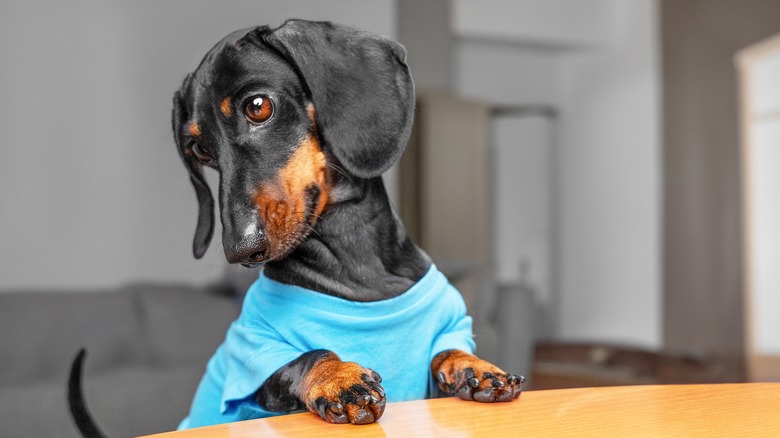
(595, 176)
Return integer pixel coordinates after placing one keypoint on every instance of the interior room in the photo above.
(597, 178)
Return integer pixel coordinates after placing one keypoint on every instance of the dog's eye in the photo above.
(201, 154)
(258, 109)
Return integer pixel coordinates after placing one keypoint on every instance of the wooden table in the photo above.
(622, 411)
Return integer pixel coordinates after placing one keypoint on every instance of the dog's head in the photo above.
(273, 111)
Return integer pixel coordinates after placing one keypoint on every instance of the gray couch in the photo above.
(147, 349)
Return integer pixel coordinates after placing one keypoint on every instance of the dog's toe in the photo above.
(332, 412)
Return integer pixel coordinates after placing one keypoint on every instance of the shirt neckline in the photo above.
(431, 282)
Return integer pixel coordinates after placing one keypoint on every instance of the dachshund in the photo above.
(300, 122)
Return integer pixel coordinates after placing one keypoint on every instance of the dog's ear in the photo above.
(205, 227)
(361, 88)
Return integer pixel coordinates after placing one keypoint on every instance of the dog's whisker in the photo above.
(293, 223)
(311, 229)
(343, 172)
(314, 215)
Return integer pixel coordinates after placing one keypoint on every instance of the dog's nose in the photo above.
(250, 248)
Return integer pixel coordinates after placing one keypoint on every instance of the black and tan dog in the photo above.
(300, 122)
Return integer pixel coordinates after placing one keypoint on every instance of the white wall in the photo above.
(548, 23)
(507, 73)
(523, 218)
(765, 245)
(92, 193)
(597, 63)
(610, 168)
(761, 70)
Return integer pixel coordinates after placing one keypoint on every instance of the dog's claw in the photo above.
(465, 393)
(331, 412)
(336, 408)
(517, 389)
(506, 396)
(337, 418)
(485, 395)
(380, 391)
(362, 416)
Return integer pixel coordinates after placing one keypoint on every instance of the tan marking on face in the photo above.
(312, 115)
(194, 129)
(282, 203)
(225, 107)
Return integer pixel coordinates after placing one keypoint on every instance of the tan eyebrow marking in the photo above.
(225, 107)
(194, 129)
(312, 116)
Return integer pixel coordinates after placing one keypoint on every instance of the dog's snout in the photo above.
(249, 249)
(257, 256)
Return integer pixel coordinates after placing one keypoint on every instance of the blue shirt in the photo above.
(397, 338)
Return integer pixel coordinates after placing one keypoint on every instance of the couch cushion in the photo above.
(42, 331)
(128, 401)
(184, 325)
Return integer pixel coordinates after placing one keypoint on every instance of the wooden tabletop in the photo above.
(720, 410)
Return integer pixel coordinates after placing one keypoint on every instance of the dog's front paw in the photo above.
(344, 392)
(472, 378)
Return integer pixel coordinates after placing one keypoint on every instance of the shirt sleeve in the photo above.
(457, 332)
(253, 353)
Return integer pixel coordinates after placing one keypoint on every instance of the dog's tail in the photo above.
(78, 407)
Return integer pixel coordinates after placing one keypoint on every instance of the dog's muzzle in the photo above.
(248, 246)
